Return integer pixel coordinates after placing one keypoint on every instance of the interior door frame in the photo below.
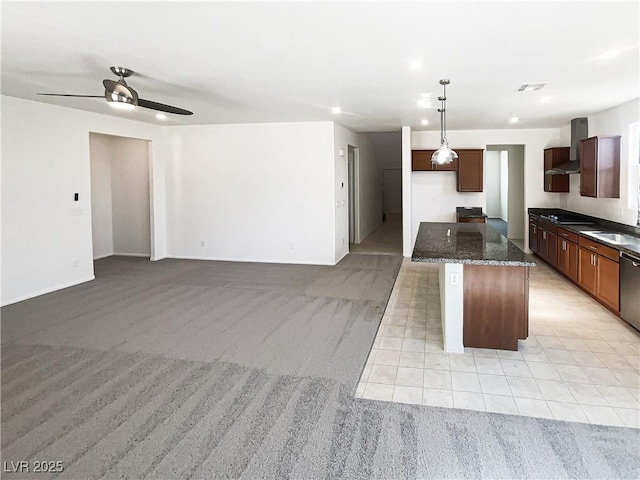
(152, 213)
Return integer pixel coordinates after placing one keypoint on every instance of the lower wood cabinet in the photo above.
(592, 265)
(533, 234)
(548, 246)
(608, 282)
(600, 276)
(568, 258)
(587, 274)
(471, 220)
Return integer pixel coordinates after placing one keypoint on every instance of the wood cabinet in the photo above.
(470, 176)
(590, 264)
(421, 161)
(568, 254)
(599, 272)
(600, 167)
(547, 243)
(533, 233)
(460, 219)
(495, 306)
(587, 270)
(552, 158)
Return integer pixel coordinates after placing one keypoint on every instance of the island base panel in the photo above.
(496, 306)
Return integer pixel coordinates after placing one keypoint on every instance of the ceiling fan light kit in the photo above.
(444, 154)
(121, 96)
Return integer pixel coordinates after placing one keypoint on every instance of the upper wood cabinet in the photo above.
(552, 158)
(600, 167)
(421, 161)
(469, 167)
(470, 170)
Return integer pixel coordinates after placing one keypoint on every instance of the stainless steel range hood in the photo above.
(579, 131)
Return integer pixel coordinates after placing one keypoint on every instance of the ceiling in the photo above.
(277, 62)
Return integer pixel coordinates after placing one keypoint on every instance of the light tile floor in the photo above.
(580, 362)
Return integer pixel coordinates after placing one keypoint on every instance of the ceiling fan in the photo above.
(121, 95)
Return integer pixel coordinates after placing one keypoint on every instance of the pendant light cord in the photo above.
(443, 115)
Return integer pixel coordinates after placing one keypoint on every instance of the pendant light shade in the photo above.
(444, 154)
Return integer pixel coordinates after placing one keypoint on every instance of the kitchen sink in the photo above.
(617, 238)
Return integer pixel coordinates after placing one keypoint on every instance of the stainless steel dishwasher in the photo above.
(630, 289)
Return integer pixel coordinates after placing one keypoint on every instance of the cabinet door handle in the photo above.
(564, 244)
(544, 235)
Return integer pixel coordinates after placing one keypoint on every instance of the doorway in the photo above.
(120, 196)
(353, 171)
(505, 191)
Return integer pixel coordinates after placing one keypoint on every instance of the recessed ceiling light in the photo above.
(415, 64)
(424, 121)
(546, 99)
(336, 110)
(161, 116)
(514, 120)
(425, 103)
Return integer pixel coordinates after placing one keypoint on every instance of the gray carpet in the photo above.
(181, 369)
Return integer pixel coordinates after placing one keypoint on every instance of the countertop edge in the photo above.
(504, 263)
(579, 229)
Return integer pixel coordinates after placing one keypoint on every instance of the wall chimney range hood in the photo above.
(579, 131)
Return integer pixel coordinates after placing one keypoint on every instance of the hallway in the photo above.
(386, 239)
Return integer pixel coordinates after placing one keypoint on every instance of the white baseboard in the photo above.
(249, 260)
(141, 255)
(340, 259)
(47, 290)
(103, 256)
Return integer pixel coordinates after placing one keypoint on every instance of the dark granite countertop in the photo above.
(598, 225)
(470, 212)
(472, 243)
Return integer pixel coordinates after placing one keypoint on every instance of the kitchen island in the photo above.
(484, 284)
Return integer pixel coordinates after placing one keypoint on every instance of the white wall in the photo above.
(252, 192)
(370, 188)
(614, 121)
(101, 206)
(492, 184)
(433, 195)
(130, 196)
(46, 236)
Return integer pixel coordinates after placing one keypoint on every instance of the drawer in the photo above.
(471, 220)
(599, 248)
(567, 235)
(549, 227)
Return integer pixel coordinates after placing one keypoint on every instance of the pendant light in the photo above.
(444, 154)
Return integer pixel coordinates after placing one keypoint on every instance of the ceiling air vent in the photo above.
(530, 87)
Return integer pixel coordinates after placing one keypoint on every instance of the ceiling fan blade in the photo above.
(162, 107)
(70, 95)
